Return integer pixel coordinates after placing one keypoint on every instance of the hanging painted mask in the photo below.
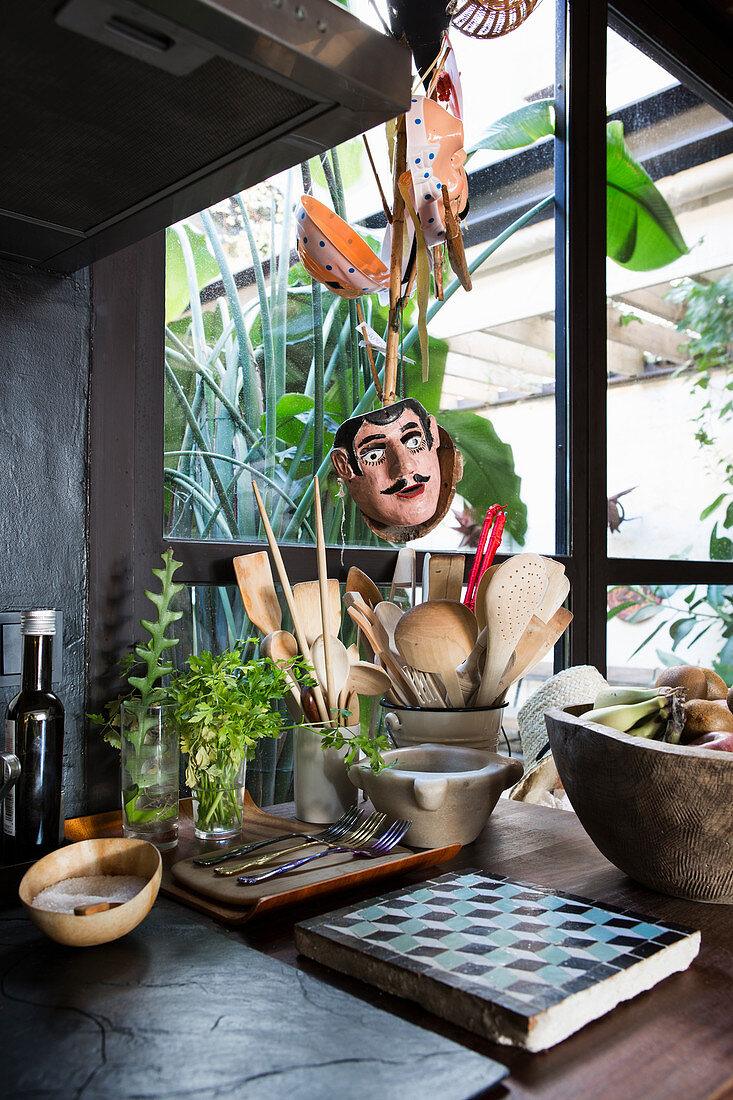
(435, 156)
(400, 468)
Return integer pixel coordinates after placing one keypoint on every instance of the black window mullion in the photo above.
(581, 123)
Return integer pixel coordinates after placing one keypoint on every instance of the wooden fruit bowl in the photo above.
(662, 814)
(93, 857)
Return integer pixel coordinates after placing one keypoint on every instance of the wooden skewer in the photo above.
(95, 907)
(288, 594)
(395, 264)
(323, 590)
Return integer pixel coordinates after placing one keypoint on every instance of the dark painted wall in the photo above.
(44, 388)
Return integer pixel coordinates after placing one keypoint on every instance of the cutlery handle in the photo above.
(243, 850)
(260, 861)
(294, 864)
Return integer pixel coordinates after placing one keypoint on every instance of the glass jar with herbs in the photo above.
(224, 705)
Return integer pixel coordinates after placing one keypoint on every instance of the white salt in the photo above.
(63, 897)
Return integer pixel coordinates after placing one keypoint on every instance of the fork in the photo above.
(383, 844)
(332, 832)
(360, 834)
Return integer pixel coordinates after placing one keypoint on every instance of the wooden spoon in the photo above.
(512, 596)
(445, 576)
(356, 581)
(338, 661)
(389, 614)
(307, 598)
(436, 637)
(369, 679)
(281, 647)
(288, 596)
(254, 578)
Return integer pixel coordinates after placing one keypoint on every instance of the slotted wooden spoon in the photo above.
(436, 637)
(511, 599)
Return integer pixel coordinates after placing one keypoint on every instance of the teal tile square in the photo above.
(465, 906)
(649, 931)
(552, 954)
(503, 937)
(501, 978)
(554, 975)
(448, 960)
(603, 951)
(603, 933)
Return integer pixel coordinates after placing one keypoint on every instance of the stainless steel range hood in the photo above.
(123, 117)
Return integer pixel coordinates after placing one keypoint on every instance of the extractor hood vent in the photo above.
(121, 118)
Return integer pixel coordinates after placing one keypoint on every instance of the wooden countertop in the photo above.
(673, 1042)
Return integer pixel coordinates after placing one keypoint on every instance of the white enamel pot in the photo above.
(466, 727)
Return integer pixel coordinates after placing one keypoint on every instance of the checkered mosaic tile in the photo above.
(518, 945)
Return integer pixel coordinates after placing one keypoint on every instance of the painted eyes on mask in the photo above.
(413, 442)
(373, 456)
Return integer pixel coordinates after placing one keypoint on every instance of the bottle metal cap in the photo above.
(38, 622)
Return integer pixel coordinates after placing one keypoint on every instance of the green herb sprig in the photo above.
(224, 707)
(146, 690)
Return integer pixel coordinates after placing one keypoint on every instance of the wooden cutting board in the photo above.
(233, 905)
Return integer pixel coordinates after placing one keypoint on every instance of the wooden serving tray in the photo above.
(223, 899)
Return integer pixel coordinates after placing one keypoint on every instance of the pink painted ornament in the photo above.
(334, 254)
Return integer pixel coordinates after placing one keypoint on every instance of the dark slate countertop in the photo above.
(181, 1008)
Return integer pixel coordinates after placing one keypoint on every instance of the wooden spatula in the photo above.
(307, 598)
(534, 645)
(257, 588)
(445, 576)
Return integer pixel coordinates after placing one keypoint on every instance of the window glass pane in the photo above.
(670, 315)
(661, 625)
(249, 391)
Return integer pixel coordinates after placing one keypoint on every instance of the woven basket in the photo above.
(579, 684)
(490, 18)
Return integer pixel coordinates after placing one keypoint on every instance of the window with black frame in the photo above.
(248, 393)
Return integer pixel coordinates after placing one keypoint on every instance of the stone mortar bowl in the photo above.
(448, 793)
(662, 814)
(93, 857)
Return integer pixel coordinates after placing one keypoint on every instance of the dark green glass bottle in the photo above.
(34, 732)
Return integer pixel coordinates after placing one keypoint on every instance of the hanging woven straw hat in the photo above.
(580, 684)
(490, 18)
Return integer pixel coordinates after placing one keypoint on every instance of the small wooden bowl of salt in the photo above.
(93, 891)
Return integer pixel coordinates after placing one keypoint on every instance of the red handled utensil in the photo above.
(488, 544)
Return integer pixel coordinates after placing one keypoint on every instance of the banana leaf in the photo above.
(522, 127)
(488, 468)
(642, 233)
